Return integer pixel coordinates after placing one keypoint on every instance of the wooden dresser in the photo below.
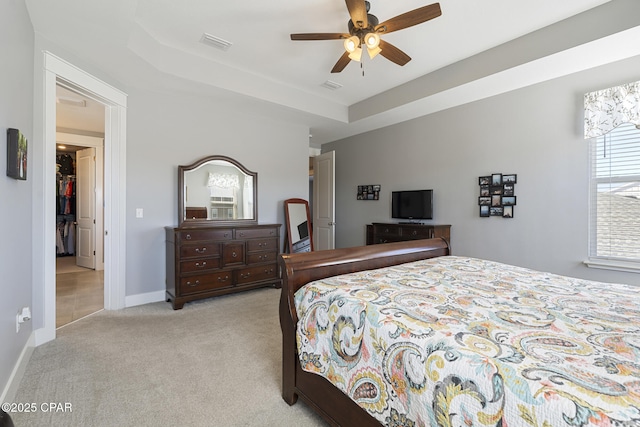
(204, 262)
(379, 232)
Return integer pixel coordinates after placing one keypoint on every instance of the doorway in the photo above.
(79, 206)
(55, 71)
(324, 201)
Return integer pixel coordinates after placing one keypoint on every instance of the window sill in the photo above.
(626, 266)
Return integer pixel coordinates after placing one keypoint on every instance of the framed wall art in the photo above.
(16, 154)
(368, 192)
(497, 195)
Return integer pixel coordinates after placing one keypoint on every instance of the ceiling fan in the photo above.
(365, 30)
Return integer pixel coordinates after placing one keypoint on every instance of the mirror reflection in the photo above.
(218, 189)
(299, 238)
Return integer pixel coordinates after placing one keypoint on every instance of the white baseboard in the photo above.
(140, 299)
(9, 392)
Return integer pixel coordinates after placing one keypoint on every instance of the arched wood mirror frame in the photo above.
(198, 203)
(298, 226)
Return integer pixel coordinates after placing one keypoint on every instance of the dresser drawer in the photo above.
(252, 233)
(390, 231)
(206, 282)
(262, 245)
(255, 274)
(417, 233)
(200, 250)
(209, 234)
(259, 257)
(202, 264)
(233, 253)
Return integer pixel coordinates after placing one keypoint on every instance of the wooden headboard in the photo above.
(302, 268)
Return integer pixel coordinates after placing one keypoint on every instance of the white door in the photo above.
(324, 201)
(86, 207)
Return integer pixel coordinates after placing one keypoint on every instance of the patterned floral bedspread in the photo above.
(454, 341)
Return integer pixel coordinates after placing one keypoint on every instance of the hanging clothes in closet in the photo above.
(66, 195)
(65, 236)
(65, 215)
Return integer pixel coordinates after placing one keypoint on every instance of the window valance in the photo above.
(604, 110)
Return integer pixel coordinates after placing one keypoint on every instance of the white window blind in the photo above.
(615, 195)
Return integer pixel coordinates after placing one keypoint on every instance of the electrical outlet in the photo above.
(23, 315)
(139, 212)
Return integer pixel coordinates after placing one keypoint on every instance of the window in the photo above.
(615, 196)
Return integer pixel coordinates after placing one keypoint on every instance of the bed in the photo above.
(416, 336)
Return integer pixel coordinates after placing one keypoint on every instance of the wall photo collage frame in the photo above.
(368, 192)
(497, 195)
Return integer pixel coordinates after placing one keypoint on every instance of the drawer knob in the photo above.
(241, 234)
(245, 276)
(233, 254)
(196, 283)
(223, 279)
(201, 265)
(262, 257)
(188, 237)
(415, 232)
(201, 251)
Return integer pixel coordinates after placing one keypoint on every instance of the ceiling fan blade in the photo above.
(358, 12)
(319, 36)
(393, 54)
(409, 19)
(342, 62)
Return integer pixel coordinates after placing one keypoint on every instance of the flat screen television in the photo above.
(412, 205)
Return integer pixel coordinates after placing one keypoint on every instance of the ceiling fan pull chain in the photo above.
(362, 68)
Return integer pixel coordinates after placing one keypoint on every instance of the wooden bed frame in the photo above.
(297, 270)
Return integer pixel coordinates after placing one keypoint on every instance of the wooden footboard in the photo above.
(299, 269)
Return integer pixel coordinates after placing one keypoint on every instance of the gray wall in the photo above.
(165, 131)
(167, 128)
(16, 111)
(534, 132)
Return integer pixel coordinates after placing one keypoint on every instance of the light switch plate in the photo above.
(139, 213)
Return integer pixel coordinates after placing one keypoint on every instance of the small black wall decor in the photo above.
(497, 195)
(16, 154)
(368, 192)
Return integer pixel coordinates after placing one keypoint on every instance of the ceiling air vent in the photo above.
(216, 42)
(331, 85)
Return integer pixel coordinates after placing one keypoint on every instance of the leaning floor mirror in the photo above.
(298, 226)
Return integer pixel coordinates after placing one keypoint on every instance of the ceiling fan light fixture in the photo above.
(365, 29)
(356, 55)
(351, 44)
(373, 52)
(372, 40)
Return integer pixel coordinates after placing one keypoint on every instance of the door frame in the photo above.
(44, 273)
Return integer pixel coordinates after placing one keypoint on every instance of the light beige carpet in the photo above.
(216, 362)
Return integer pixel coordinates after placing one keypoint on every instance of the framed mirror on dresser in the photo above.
(219, 247)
